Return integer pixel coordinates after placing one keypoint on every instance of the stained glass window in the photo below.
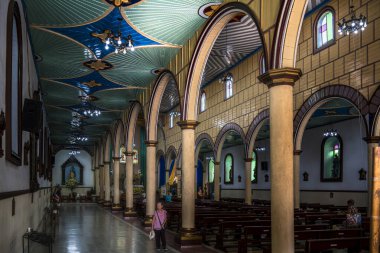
(254, 167)
(203, 102)
(229, 169)
(171, 120)
(332, 158)
(211, 171)
(229, 83)
(325, 28)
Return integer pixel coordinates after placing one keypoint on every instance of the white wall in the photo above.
(84, 158)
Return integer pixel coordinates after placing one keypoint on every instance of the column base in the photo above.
(100, 201)
(129, 213)
(147, 223)
(107, 203)
(116, 208)
(188, 237)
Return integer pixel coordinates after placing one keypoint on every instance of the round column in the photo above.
(375, 210)
(107, 185)
(97, 181)
(129, 212)
(116, 185)
(101, 184)
(217, 181)
(150, 181)
(297, 198)
(372, 142)
(188, 234)
(280, 83)
(248, 182)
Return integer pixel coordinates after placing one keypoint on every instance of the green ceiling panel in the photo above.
(172, 21)
(106, 118)
(65, 13)
(57, 114)
(60, 56)
(59, 94)
(117, 99)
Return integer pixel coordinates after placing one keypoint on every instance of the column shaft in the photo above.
(97, 180)
(371, 145)
(107, 184)
(216, 181)
(116, 185)
(150, 181)
(129, 212)
(248, 183)
(297, 156)
(101, 182)
(375, 215)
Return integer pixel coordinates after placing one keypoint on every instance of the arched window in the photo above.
(262, 64)
(203, 101)
(13, 96)
(229, 169)
(332, 159)
(254, 167)
(211, 171)
(229, 84)
(171, 120)
(324, 29)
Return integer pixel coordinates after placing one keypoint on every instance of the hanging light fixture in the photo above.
(118, 41)
(87, 108)
(352, 25)
(330, 133)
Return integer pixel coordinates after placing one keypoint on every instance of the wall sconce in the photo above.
(362, 174)
(305, 176)
(266, 178)
(2, 128)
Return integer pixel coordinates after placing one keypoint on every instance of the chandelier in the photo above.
(82, 138)
(330, 133)
(118, 41)
(74, 152)
(352, 25)
(91, 112)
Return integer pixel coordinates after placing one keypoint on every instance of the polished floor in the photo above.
(85, 228)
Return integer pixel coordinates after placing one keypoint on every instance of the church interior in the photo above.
(248, 126)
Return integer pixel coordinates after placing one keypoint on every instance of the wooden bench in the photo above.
(353, 244)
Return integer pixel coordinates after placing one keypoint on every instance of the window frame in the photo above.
(323, 179)
(232, 169)
(317, 49)
(262, 64)
(203, 93)
(254, 181)
(13, 15)
(225, 87)
(171, 123)
(208, 170)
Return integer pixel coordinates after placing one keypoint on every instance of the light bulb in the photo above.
(348, 33)
(356, 31)
(124, 51)
(353, 24)
(119, 41)
(362, 28)
(108, 41)
(129, 43)
(116, 51)
(107, 47)
(132, 48)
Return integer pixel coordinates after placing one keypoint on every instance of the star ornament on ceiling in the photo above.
(92, 35)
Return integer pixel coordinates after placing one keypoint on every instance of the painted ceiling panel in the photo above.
(59, 94)
(117, 99)
(58, 114)
(60, 57)
(65, 13)
(172, 21)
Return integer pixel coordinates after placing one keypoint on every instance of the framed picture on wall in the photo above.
(72, 168)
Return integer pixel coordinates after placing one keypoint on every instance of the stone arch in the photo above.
(179, 156)
(203, 137)
(285, 42)
(206, 41)
(155, 102)
(254, 129)
(133, 114)
(374, 108)
(160, 153)
(322, 96)
(119, 137)
(222, 136)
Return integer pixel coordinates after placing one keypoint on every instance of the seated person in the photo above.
(353, 216)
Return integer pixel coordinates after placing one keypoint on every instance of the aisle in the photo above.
(85, 228)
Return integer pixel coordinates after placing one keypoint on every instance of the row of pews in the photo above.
(232, 226)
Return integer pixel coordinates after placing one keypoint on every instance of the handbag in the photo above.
(151, 235)
(162, 228)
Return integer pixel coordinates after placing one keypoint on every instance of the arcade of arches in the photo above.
(255, 122)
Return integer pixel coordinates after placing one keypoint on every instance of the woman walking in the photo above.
(158, 225)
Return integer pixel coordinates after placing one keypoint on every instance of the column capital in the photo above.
(96, 167)
(297, 152)
(372, 139)
(150, 143)
(129, 153)
(283, 76)
(116, 158)
(248, 160)
(188, 124)
(216, 163)
(106, 162)
(101, 165)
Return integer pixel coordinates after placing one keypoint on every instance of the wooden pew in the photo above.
(354, 244)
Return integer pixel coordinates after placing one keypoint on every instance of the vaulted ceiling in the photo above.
(72, 61)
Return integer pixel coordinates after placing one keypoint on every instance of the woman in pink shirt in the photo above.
(158, 225)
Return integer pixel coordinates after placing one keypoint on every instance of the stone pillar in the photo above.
(97, 181)
(129, 212)
(101, 184)
(150, 181)
(116, 185)
(107, 185)
(372, 142)
(188, 234)
(248, 182)
(297, 192)
(217, 181)
(280, 83)
(375, 210)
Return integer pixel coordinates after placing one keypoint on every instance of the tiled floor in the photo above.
(87, 228)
